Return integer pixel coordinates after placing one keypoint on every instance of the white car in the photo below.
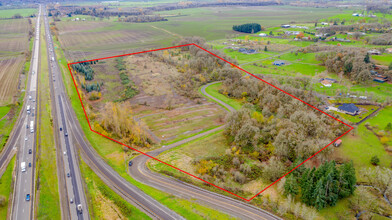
(26, 138)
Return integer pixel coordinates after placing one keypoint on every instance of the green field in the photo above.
(6, 187)
(384, 59)
(364, 144)
(49, 200)
(8, 13)
(215, 23)
(4, 110)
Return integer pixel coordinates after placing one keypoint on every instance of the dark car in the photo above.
(30, 151)
(68, 175)
(130, 163)
(28, 197)
(29, 164)
(61, 128)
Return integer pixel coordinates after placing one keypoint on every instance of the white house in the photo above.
(263, 35)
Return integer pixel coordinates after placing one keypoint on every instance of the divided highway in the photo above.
(71, 126)
(237, 208)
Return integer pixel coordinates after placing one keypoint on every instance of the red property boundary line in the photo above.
(233, 65)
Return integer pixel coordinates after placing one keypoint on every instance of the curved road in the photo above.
(236, 208)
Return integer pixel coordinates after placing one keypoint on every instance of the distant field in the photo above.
(93, 39)
(13, 36)
(216, 22)
(8, 13)
(9, 74)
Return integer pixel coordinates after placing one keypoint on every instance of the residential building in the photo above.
(349, 108)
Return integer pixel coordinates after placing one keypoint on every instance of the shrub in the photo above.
(375, 160)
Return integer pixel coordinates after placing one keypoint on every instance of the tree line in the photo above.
(322, 186)
(248, 28)
(85, 69)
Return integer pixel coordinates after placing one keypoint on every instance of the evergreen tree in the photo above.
(367, 58)
(265, 48)
(319, 196)
(291, 186)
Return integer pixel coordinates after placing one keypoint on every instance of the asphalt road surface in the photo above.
(234, 207)
(24, 139)
(125, 189)
(74, 192)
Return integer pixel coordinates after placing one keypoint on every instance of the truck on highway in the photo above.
(31, 126)
(28, 109)
(79, 208)
(52, 58)
(23, 166)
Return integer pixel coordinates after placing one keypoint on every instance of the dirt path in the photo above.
(169, 32)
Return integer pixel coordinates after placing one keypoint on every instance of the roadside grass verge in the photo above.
(6, 187)
(115, 156)
(49, 201)
(4, 110)
(103, 202)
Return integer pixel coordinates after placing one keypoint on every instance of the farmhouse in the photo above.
(285, 26)
(374, 52)
(292, 32)
(326, 83)
(324, 23)
(279, 63)
(349, 108)
(337, 143)
(388, 50)
(263, 35)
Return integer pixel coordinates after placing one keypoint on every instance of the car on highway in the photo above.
(66, 134)
(28, 197)
(26, 138)
(130, 163)
(30, 151)
(30, 97)
(68, 175)
(71, 200)
(61, 128)
(29, 164)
